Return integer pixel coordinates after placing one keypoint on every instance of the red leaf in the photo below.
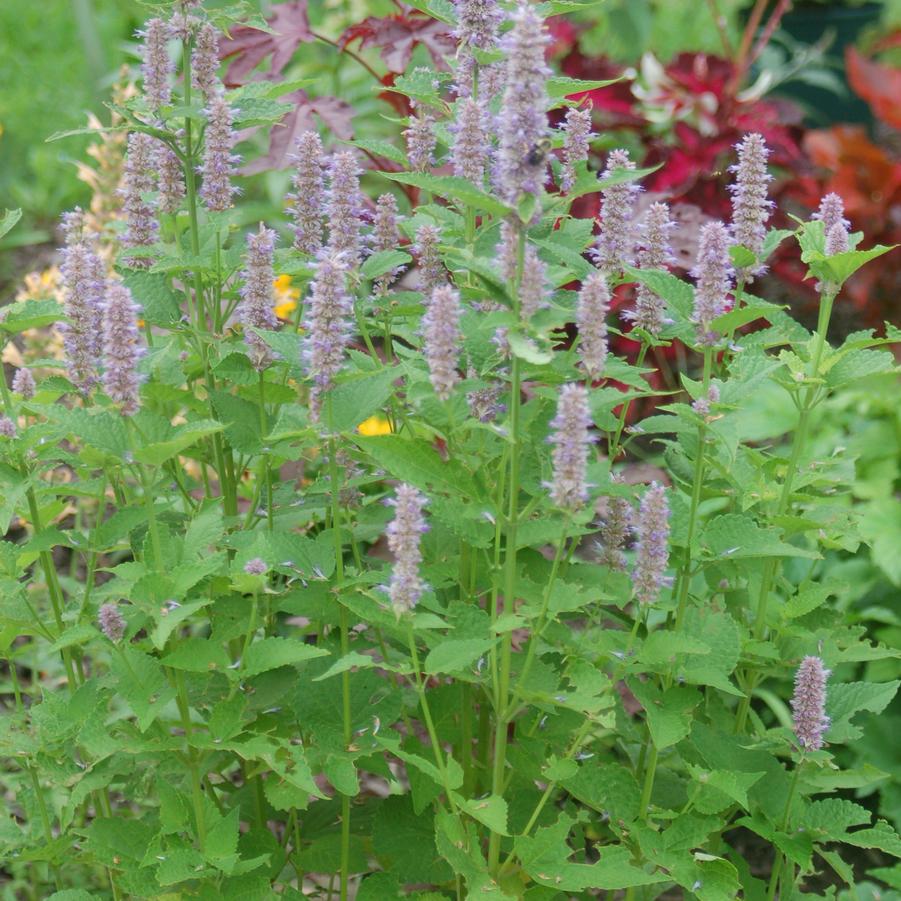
(290, 25)
(398, 36)
(879, 85)
(335, 113)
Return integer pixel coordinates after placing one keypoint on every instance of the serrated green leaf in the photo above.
(454, 188)
(384, 261)
(666, 711)
(8, 221)
(184, 436)
(271, 653)
(29, 314)
(456, 655)
(734, 536)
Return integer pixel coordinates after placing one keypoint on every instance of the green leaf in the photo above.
(490, 811)
(142, 684)
(560, 86)
(405, 843)
(355, 399)
(454, 188)
(158, 452)
(859, 364)
(678, 295)
(381, 148)
(151, 290)
(667, 711)
(197, 655)
(846, 699)
(830, 818)
(271, 653)
(608, 789)
(733, 785)
(8, 221)
(734, 536)
(456, 655)
(28, 314)
(526, 349)
(348, 661)
(663, 646)
(384, 261)
(882, 836)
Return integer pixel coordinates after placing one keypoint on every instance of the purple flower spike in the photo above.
(385, 235)
(571, 439)
(7, 428)
(441, 340)
(307, 200)
(111, 622)
(750, 204)
(121, 349)
(205, 61)
(615, 532)
(702, 405)
(508, 250)
(533, 285)
(713, 273)
(421, 140)
(831, 212)
(522, 123)
(809, 703)
(172, 180)
(431, 269)
(477, 22)
(591, 322)
(613, 250)
(653, 253)
(327, 328)
(258, 295)
(219, 163)
(345, 202)
(138, 180)
(23, 384)
(404, 537)
(157, 67)
(256, 567)
(84, 284)
(652, 547)
(837, 240)
(470, 152)
(577, 129)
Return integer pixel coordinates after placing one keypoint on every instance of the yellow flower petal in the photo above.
(375, 425)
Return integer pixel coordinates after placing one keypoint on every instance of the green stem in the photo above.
(780, 857)
(624, 410)
(196, 787)
(648, 786)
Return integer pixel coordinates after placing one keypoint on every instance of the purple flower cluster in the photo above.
(703, 404)
(256, 567)
(328, 326)
(532, 285)
(258, 295)
(139, 179)
(23, 383)
(385, 235)
(615, 529)
(477, 25)
(591, 322)
(713, 273)
(613, 250)
(652, 545)
(157, 67)
(441, 339)
(404, 538)
(654, 252)
(84, 284)
(809, 703)
(345, 202)
(308, 196)
(508, 250)
(484, 403)
(111, 622)
(171, 180)
(7, 428)
(431, 269)
(522, 123)
(470, 151)
(577, 134)
(122, 349)
(750, 203)
(571, 439)
(219, 163)
(421, 140)
(832, 213)
(205, 61)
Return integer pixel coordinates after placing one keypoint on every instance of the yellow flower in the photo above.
(286, 297)
(46, 285)
(375, 425)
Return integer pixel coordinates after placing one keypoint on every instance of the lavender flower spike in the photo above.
(205, 61)
(837, 240)
(258, 295)
(714, 277)
(508, 250)
(421, 140)
(477, 22)
(750, 204)
(404, 537)
(614, 246)
(7, 428)
(121, 349)
(157, 67)
(23, 384)
(831, 213)
(308, 197)
(470, 152)
(344, 205)
(809, 703)
(84, 283)
(571, 439)
(577, 128)
(654, 253)
(172, 180)
(441, 339)
(522, 123)
(615, 532)
(591, 322)
(138, 180)
(385, 236)
(111, 622)
(256, 567)
(431, 269)
(532, 286)
(219, 163)
(327, 328)
(652, 547)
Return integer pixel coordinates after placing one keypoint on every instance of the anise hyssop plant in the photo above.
(390, 591)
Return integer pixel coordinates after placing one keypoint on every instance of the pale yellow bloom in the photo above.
(286, 297)
(375, 425)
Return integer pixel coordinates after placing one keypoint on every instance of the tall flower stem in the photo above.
(344, 626)
(810, 399)
(510, 538)
(779, 861)
(624, 410)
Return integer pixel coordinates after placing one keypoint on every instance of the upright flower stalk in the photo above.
(652, 546)
(307, 198)
(139, 180)
(404, 539)
(713, 273)
(571, 439)
(577, 135)
(441, 340)
(157, 67)
(654, 252)
(258, 295)
(219, 162)
(343, 208)
(122, 349)
(614, 246)
(591, 322)
(751, 206)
